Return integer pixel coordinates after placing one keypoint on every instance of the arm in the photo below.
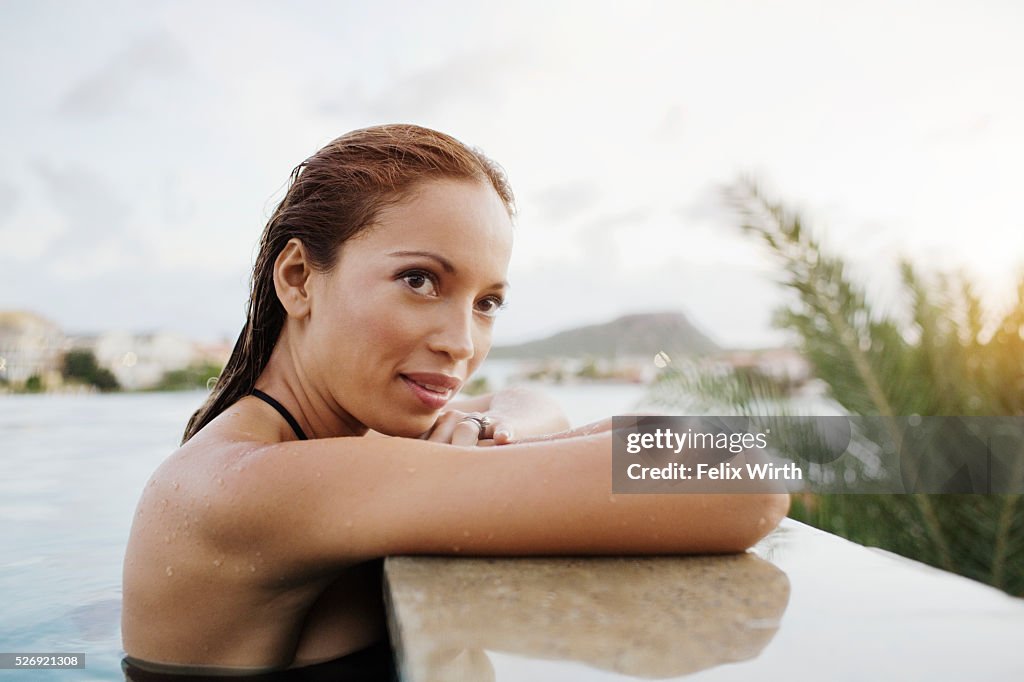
(342, 499)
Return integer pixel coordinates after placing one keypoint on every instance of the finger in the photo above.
(466, 433)
(444, 427)
(503, 433)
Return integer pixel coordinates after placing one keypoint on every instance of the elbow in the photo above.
(759, 515)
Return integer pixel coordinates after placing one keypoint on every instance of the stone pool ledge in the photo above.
(802, 605)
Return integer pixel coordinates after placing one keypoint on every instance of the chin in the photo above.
(411, 428)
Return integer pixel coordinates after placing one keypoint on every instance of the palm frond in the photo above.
(938, 359)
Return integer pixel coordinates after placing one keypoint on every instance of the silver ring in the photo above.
(481, 422)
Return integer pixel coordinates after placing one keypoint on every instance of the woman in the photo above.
(332, 438)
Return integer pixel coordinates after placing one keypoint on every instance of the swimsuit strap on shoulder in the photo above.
(282, 411)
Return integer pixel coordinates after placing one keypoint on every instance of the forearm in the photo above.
(561, 497)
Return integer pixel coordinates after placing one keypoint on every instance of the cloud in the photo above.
(967, 129)
(558, 203)
(9, 197)
(153, 56)
(671, 126)
(98, 234)
(613, 223)
(475, 77)
(603, 238)
(709, 206)
(88, 203)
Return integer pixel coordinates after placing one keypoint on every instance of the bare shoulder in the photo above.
(188, 546)
(186, 494)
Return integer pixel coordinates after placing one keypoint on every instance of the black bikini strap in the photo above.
(282, 411)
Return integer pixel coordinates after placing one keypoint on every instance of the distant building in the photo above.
(216, 353)
(30, 345)
(781, 364)
(140, 360)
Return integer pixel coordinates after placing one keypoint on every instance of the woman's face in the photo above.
(405, 316)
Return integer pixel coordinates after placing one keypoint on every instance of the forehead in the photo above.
(464, 221)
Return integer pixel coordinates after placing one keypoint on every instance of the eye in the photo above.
(490, 306)
(420, 281)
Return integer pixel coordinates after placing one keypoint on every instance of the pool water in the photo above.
(71, 470)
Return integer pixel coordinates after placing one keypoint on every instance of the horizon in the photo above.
(86, 334)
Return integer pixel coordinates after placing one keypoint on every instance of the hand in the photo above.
(462, 428)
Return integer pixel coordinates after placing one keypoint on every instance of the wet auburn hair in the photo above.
(333, 196)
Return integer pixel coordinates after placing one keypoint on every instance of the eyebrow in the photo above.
(443, 262)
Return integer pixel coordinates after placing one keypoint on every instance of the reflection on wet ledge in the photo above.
(643, 617)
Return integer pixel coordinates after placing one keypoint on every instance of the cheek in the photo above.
(482, 346)
(377, 325)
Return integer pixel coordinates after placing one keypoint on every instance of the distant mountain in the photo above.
(630, 335)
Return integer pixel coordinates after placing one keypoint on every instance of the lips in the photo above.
(433, 390)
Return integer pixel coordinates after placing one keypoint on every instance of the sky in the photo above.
(145, 144)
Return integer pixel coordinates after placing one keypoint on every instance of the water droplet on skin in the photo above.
(220, 481)
(456, 548)
(169, 571)
(762, 521)
(218, 562)
(175, 485)
(259, 554)
(252, 569)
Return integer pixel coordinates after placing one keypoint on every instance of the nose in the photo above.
(454, 335)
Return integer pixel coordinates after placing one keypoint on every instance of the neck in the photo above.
(286, 380)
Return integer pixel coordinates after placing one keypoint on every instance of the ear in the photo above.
(292, 272)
